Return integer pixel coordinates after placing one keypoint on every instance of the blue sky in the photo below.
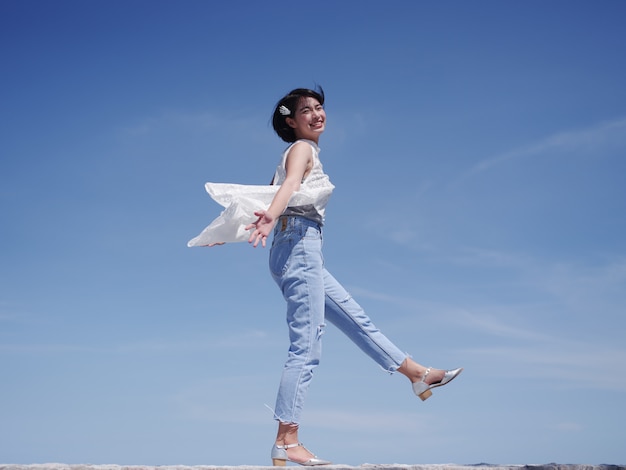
(478, 152)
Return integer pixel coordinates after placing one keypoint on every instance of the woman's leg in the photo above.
(347, 315)
(297, 268)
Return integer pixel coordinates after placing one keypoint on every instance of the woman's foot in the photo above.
(299, 454)
(431, 376)
(289, 448)
(296, 453)
(426, 378)
(423, 387)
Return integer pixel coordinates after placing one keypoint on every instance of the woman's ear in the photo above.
(291, 122)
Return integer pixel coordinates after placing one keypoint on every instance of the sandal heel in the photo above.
(279, 463)
(425, 395)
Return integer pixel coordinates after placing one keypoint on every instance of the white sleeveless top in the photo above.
(316, 182)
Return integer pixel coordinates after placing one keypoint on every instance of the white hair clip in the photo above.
(284, 110)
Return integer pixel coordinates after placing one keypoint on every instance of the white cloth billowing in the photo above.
(241, 201)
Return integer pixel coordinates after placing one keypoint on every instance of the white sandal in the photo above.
(280, 458)
(423, 390)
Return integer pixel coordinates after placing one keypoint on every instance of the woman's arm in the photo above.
(298, 163)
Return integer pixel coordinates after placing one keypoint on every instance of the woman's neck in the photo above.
(315, 141)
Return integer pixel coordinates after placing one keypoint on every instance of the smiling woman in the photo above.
(297, 266)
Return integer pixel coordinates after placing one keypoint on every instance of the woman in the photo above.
(311, 293)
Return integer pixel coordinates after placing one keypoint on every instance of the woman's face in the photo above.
(309, 119)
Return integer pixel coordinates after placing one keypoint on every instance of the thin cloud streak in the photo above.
(590, 140)
(567, 283)
(564, 363)
(494, 326)
(365, 420)
(173, 120)
(256, 338)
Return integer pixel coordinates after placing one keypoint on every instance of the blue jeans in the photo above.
(313, 296)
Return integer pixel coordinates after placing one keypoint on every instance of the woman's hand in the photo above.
(262, 228)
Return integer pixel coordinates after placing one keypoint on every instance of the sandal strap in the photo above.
(289, 446)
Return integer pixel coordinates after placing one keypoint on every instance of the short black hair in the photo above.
(290, 101)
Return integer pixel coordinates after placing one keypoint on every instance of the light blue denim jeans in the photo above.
(313, 296)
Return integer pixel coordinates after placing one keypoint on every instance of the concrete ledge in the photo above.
(550, 466)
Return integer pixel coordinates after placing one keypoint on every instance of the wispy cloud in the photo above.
(574, 283)
(423, 217)
(496, 325)
(169, 120)
(207, 124)
(537, 331)
(203, 402)
(589, 140)
(46, 348)
(12, 315)
(484, 257)
(249, 338)
(565, 363)
(368, 420)
(256, 338)
(568, 426)
(209, 400)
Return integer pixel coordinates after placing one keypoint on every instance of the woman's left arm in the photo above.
(297, 163)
